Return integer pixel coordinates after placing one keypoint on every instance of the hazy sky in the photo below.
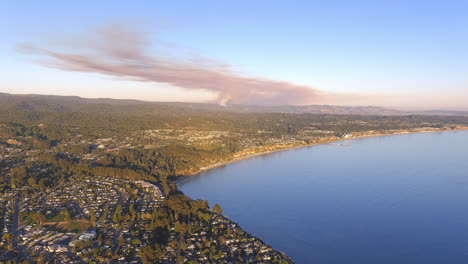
(409, 54)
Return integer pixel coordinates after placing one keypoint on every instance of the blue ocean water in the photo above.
(394, 199)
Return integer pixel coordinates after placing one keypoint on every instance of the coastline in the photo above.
(324, 142)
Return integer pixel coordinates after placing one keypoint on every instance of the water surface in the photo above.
(395, 199)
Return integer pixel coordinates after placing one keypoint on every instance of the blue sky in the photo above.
(406, 54)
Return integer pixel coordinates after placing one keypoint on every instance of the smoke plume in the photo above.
(118, 51)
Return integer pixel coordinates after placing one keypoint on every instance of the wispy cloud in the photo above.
(119, 51)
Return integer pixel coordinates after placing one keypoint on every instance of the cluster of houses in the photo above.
(232, 248)
(150, 196)
(80, 198)
(6, 219)
(126, 238)
(83, 198)
(41, 239)
(161, 137)
(9, 152)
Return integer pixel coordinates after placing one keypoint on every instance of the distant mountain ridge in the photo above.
(35, 102)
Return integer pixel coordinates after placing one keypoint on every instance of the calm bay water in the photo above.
(396, 199)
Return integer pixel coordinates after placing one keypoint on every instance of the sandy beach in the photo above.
(322, 142)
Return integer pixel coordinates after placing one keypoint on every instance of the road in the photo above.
(15, 225)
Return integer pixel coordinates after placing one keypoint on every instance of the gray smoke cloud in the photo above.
(119, 51)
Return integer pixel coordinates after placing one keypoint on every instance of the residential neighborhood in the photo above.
(105, 220)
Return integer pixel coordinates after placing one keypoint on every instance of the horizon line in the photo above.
(399, 109)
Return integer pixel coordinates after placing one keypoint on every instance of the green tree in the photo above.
(217, 209)
(66, 215)
(92, 217)
(133, 212)
(100, 239)
(32, 182)
(115, 218)
(38, 218)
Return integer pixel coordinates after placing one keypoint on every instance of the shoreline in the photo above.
(325, 142)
